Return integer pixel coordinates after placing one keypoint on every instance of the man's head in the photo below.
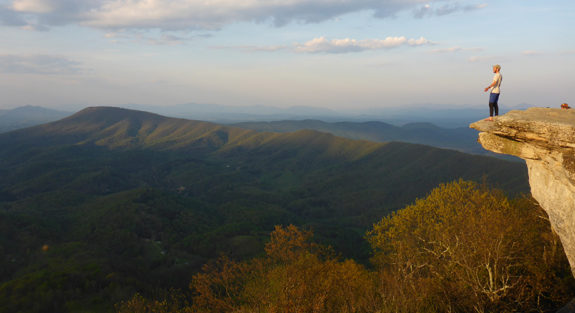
(496, 68)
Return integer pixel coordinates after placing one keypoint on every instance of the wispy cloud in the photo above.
(163, 38)
(455, 49)
(445, 9)
(38, 64)
(208, 15)
(248, 48)
(346, 45)
(323, 45)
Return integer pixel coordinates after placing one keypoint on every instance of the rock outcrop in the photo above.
(545, 139)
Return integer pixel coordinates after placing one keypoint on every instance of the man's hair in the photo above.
(497, 66)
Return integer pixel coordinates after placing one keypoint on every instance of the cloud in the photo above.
(248, 48)
(38, 64)
(43, 14)
(37, 28)
(210, 15)
(154, 38)
(346, 45)
(33, 6)
(323, 45)
(445, 9)
(10, 18)
(455, 49)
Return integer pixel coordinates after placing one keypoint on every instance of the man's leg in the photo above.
(493, 105)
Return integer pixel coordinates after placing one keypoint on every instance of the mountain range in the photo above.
(110, 201)
(462, 139)
(27, 116)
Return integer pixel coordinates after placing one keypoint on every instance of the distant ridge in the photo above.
(461, 139)
(27, 116)
(125, 129)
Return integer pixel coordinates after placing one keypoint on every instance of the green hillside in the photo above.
(110, 201)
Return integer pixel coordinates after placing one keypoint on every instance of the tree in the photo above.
(296, 275)
(470, 247)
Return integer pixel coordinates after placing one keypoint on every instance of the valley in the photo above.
(111, 201)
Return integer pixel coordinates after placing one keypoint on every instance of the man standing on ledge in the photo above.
(494, 95)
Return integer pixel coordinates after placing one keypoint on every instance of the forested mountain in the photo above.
(27, 116)
(111, 201)
(462, 139)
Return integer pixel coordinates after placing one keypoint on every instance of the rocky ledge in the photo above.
(545, 139)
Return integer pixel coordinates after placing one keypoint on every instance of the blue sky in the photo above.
(338, 54)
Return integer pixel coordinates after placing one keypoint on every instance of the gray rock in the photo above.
(545, 139)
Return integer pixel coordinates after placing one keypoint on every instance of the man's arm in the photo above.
(492, 84)
(488, 87)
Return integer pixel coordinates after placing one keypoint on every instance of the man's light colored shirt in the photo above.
(497, 78)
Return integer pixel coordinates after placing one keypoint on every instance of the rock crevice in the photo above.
(545, 139)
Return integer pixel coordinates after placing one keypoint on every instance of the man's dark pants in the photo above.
(493, 106)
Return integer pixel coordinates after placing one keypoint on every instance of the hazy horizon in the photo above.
(445, 117)
(339, 55)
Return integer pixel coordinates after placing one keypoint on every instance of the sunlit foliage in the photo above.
(295, 276)
(467, 248)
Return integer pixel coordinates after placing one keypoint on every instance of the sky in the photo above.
(336, 54)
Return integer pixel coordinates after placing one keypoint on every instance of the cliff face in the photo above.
(545, 139)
